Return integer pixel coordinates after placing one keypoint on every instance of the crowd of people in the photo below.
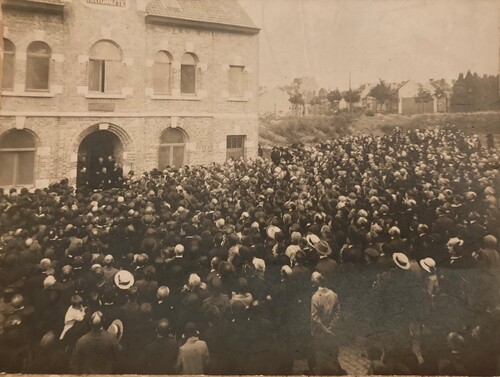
(100, 174)
(250, 266)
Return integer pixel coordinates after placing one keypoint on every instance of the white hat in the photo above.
(194, 280)
(428, 264)
(259, 264)
(220, 223)
(272, 230)
(116, 329)
(49, 281)
(124, 279)
(312, 239)
(401, 260)
(178, 249)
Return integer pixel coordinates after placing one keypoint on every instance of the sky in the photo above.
(393, 40)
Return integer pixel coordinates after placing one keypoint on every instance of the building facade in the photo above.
(150, 82)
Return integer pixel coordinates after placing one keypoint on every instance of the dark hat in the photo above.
(190, 330)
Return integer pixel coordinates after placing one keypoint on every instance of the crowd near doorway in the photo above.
(17, 158)
(100, 154)
(172, 148)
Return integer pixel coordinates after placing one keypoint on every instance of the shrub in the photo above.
(369, 113)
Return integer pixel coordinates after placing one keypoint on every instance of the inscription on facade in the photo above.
(113, 3)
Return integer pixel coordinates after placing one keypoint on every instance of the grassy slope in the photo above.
(290, 130)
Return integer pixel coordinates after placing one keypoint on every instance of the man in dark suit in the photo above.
(325, 266)
(160, 356)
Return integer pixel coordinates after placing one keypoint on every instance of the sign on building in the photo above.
(113, 3)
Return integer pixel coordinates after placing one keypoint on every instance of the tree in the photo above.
(320, 98)
(351, 96)
(334, 96)
(475, 93)
(383, 94)
(295, 95)
(423, 96)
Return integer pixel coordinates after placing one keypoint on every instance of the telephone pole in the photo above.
(350, 92)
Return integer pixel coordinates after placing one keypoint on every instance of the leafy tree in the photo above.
(351, 96)
(383, 94)
(295, 94)
(475, 93)
(423, 96)
(320, 98)
(334, 96)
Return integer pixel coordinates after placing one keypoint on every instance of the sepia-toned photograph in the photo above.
(250, 187)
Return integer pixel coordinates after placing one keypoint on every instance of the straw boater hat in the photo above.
(323, 248)
(272, 230)
(116, 329)
(401, 261)
(428, 264)
(124, 279)
(312, 239)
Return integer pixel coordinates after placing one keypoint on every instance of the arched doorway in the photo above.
(17, 158)
(99, 149)
(172, 148)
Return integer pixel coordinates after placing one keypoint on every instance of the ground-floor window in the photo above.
(235, 147)
(172, 146)
(17, 158)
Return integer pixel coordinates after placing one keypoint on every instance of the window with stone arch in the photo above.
(38, 57)
(189, 63)
(9, 64)
(105, 67)
(162, 73)
(17, 158)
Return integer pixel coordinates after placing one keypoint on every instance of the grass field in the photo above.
(286, 131)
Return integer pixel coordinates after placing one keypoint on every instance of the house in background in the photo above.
(409, 102)
(442, 93)
(370, 103)
(274, 101)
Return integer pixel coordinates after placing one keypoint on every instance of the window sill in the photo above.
(236, 99)
(105, 96)
(27, 94)
(175, 98)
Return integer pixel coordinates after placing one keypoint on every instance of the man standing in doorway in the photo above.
(325, 313)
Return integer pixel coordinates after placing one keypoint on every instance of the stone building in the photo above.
(150, 82)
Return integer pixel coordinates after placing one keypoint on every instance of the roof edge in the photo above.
(196, 24)
(33, 6)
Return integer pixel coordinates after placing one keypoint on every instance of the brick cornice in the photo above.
(195, 24)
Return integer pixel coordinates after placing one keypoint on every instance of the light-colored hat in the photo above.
(178, 249)
(312, 239)
(323, 248)
(455, 241)
(296, 236)
(259, 264)
(401, 261)
(49, 281)
(124, 279)
(272, 230)
(428, 264)
(116, 329)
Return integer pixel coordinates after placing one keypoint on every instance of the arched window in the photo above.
(172, 143)
(188, 73)
(161, 73)
(9, 61)
(37, 66)
(17, 158)
(105, 67)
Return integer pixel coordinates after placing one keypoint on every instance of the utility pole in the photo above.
(350, 93)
